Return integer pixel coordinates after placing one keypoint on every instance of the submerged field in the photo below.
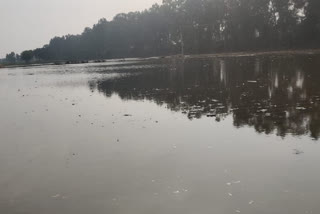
(182, 136)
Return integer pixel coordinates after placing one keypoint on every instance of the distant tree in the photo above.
(27, 55)
(11, 58)
(197, 26)
(18, 58)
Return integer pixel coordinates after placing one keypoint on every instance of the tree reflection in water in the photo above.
(273, 94)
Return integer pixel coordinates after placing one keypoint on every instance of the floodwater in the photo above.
(162, 136)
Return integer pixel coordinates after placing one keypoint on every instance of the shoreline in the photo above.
(256, 53)
(195, 56)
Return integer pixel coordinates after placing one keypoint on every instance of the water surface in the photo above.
(205, 135)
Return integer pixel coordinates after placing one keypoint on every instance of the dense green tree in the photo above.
(11, 57)
(27, 55)
(194, 26)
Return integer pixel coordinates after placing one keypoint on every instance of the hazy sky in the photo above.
(29, 24)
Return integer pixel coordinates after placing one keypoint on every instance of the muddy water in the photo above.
(213, 135)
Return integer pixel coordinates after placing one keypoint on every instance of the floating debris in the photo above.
(298, 152)
(212, 113)
(251, 202)
(300, 108)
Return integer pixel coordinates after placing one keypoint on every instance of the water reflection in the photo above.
(278, 95)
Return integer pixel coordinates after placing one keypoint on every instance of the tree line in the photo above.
(192, 27)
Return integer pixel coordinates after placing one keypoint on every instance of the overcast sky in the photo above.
(29, 24)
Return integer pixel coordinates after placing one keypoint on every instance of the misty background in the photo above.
(28, 24)
(169, 28)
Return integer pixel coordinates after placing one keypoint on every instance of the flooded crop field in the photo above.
(162, 136)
